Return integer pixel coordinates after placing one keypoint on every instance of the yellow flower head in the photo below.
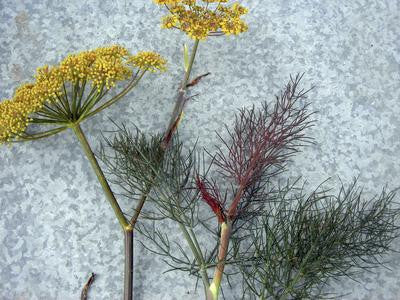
(110, 66)
(105, 65)
(148, 60)
(14, 112)
(13, 119)
(48, 83)
(199, 19)
(102, 67)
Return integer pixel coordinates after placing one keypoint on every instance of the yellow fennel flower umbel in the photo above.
(202, 18)
(105, 65)
(148, 60)
(13, 119)
(102, 68)
(14, 112)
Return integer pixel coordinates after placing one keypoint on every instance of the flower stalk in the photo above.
(125, 225)
(173, 125)
(100, 176)
(190, 65)
(135, 80)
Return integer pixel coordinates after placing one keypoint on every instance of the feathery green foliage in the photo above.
(302, 241)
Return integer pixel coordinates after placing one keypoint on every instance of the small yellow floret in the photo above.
(14, 112)
(101, 66)
(170, 21)
(148, 60)
(12, 119)
(48, 83)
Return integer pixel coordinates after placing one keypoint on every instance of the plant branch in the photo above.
(138, 209)
(44, 134)
(181, 100)
(128, 277)
(100, 176)
(110, 102)
(199, 258)
(213, 291)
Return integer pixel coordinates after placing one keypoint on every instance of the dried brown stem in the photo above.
(197, 80)
(86, 287)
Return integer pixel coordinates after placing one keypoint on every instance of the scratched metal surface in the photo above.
(55, 225)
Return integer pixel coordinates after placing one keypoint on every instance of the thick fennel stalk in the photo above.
(213, 290)
(125, 225)
(181, 99)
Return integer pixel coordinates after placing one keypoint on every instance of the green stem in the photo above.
(198, 256)
(46, 121)
(126, 226)
(44, 134)
(75, 89)
(196, 243)
(289, 288)
(138, 209)
(213, 290)
(81, 92)
(51, 113)
(63, 99)
(100, 176)
(191, 61)
(110, 102)
(90, 102)
(203, 266)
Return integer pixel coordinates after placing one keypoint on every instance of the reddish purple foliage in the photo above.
(261, 142)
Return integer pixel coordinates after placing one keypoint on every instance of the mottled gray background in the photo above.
(55, 224)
